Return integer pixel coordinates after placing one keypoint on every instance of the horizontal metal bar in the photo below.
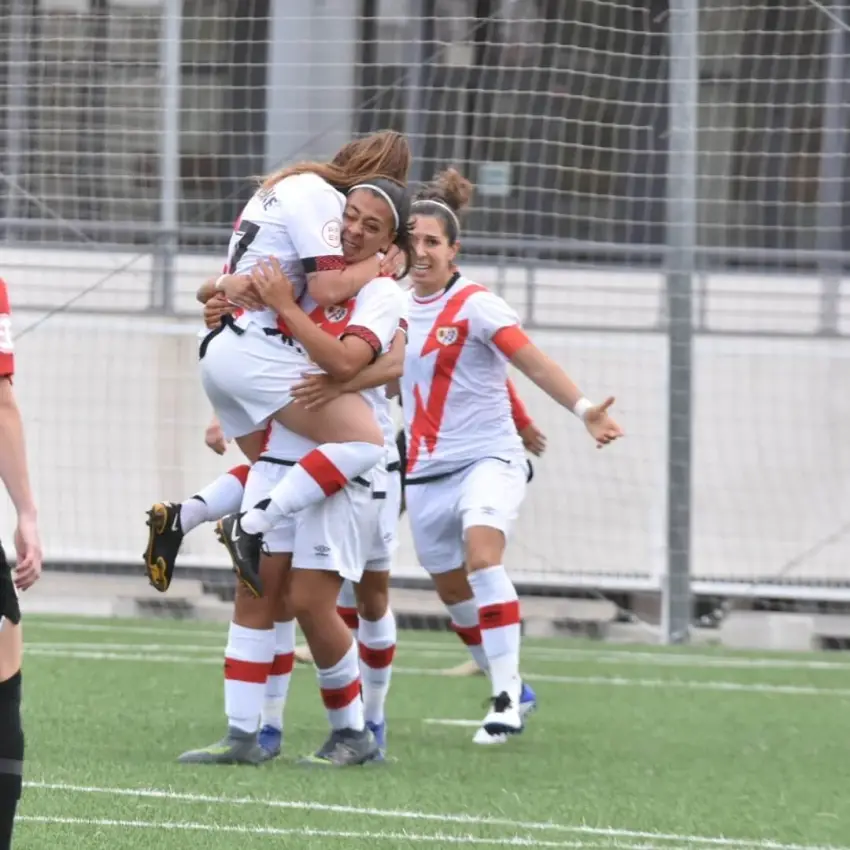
(528, 246)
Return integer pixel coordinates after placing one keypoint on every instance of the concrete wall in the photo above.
(115, 416)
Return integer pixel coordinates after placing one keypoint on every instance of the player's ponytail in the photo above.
(382, 154)
(445, 197)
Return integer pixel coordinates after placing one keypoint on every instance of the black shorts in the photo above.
(8, 595)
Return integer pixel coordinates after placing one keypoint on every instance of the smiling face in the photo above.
(433, 256)
(368, 226)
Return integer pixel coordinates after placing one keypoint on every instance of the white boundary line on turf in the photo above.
(307, 832)
(401, 814)
(448, 721)
(661, 657)
(604, 681)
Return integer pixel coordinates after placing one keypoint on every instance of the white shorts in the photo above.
(382, 524)
(489, 493)
(329, 535)
(248, 376)
(264, 475)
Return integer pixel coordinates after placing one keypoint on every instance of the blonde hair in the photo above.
(382, 154)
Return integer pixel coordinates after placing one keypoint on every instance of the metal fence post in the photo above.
(683, 83)
(169, 157)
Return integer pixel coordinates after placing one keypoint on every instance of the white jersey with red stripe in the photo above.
(298, 221)
(454, 386)
(379, 309)
(7, 347)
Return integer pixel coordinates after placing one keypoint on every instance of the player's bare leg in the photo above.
(376, 637)
(314, 596)
(249, 660)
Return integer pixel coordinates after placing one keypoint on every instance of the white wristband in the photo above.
(219, 286)
(581, 407)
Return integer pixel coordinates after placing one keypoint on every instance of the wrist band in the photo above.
(219, 287)
(581, 407)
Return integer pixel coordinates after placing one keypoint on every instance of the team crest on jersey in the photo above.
(446, 336)
(332, 233)
(337, 313)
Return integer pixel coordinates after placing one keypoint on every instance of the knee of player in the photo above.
(373, 604)
(483, 558)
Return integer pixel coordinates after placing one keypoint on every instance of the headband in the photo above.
(378, 190)
(440, 204)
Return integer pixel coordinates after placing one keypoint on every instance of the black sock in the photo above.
(11, 756)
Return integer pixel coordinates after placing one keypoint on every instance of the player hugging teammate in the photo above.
(314, 492)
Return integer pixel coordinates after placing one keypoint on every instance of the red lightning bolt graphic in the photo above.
(427, 419)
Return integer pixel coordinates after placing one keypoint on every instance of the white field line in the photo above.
(661, 657)
(306, 832)
(619, 681)
(604, 832)
(447, 721)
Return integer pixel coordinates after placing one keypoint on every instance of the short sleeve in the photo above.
(314, 222)
(379, 310)
(7, 348)
(496, 324)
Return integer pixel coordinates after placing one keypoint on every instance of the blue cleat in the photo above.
(270, 740)
(379, 730)
(527, 701)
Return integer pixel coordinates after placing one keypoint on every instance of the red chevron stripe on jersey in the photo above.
(427, 419)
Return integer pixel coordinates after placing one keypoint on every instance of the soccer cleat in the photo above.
(527, 702)
(379, 730)
(303, 655)
(466, 668)
(244, 550)
(345, 748)
(270, 739)
(237, 747)
(164, 539)
(503, 718)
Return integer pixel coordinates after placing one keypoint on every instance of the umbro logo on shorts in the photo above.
(322, 551)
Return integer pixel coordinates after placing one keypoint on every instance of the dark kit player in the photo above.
(15, 477)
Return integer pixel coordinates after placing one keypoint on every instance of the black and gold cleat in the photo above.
(164, 539)
(244, 550)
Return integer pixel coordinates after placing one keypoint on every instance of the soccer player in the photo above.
(324, 537)
(15, 477)
(466, 469)
(249, 363)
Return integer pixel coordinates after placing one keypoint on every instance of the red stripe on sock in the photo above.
(337, 698)
(501, 614)
(470, 635)
(282, 664)
(240, 473)
(255, 672)
(323, 471)
(377, 659)
(349, 615)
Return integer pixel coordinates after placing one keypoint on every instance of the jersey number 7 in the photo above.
(247, 232)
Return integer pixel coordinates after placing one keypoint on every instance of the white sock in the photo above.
(377, 648)
(277, 685)
(319, 474)
(498, 617)
(247, 661)
(465, 624)
(340, 687)
(220, 498)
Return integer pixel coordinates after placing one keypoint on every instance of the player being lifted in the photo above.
(326, 537)
(466, 470)
(249, 363)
